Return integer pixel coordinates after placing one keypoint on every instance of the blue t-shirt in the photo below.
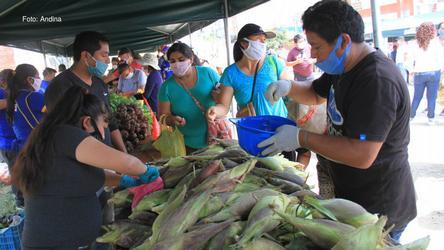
(27, 115)
(137, 81)
(7, 135)
(243, 84)
(43, 86)
(196, 128)
(152, 87)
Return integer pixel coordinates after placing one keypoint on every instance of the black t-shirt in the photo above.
(67, 79)
(65, 212)
(371, 102)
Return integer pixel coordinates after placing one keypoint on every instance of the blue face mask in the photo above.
(441, 32)
(334, 65)
(99, 70)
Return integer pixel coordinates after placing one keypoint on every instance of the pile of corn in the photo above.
(221, 198)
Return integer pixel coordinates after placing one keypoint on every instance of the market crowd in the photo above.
(62, 146)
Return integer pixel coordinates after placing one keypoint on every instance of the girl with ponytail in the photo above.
(62, 166)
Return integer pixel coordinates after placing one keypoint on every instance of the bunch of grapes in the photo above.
(133, 125)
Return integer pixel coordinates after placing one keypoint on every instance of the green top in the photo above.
(195, 129)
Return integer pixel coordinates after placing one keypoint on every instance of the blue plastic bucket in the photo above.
(252, 130)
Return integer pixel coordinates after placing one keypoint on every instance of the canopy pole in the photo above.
(227, 33)
(44, 55)
(375, 23)
(189, 33)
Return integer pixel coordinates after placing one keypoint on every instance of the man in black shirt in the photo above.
(91, 58)
(368, 110)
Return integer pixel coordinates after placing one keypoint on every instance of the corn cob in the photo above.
(176, 162)
(184, 217)
(211, 169)
(166, 213)
(152, 200)
(122, 198)
(173, 175)
(214, 205)
(125, 233)
(366, 237)
(343, 210)
(262, 218)
(324, 233)
(264, 244)
(241, 207)
(193, 240)
(226, 237)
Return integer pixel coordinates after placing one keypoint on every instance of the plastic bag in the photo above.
(170, 142)
(312, 118)
(155, 126)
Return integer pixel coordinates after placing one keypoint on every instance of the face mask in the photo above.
(441, 32)
(100, 68)
(334, 65)
(180, 68)
(255, 50)
(130, 75)
(114, 67)
(36, 84)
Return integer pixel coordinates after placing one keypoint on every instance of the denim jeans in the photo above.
(429, 81)
(396, 234)
(403, 71)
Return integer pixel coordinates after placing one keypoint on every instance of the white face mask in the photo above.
(114, 67)
(255, 50)
(36, 84)
(130, 75)
(180, 68)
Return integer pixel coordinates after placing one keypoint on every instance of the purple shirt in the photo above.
(305, 68)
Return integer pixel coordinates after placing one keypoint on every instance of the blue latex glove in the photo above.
(128, 181)
(150, 175)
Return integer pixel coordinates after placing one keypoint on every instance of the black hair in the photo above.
(124, 51)
(122, 67)
(32, 164)
(62, 67)
(183, 48)
(237, 51)
(6, 74)
(297, 37)
(17, 82)
(115, 59)
(197, 61)
(48, 71)
(89, 41)
(331, 18)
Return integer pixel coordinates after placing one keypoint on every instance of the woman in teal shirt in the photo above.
(177, 104)
(249, 52)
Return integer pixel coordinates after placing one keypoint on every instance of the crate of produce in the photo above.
(10, 237)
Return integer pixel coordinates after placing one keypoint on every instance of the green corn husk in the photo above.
(251, 178)
(193, 240)
(265, 244)
(287, 187)
(420, 244)
(226, 237)
(125, 234)
(152, 200)
(261, 172)
(174, 175)
(343, 210)
(246, 187)
(325, 233)
(262, 218)
(365, 237)
(271, 163)
(166, 214)
(143, 217)
(299, 210)
(241, 206)
(176, 162)
(214, 205)
(184, 217)
(210, 169)
(226, 180)
(158, 209)
(121, 199)
(301, 242)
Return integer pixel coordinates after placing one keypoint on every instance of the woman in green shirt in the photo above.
(175, 96)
